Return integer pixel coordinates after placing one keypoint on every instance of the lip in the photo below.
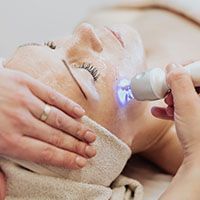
(117, 36)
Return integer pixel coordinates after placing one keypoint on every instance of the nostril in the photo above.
(88, 36)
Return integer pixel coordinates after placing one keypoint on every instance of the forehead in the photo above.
(41, 63)
(45, 65)
(35, 60)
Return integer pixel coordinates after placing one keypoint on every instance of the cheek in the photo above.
(106, 111)
(65, 87)
(108, 86)
(130, 68)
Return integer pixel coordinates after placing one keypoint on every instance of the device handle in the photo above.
(194, 70)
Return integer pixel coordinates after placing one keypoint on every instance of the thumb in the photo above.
(183, 91)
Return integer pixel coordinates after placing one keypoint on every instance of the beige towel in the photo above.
(91, 183)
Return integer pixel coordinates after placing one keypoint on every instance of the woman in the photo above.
(90, 64)
(98, 70)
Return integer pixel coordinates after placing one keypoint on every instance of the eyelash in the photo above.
(91, 69)
(50, 44)
(30, 44)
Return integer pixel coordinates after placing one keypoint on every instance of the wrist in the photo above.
(185, 184)
(189, 172)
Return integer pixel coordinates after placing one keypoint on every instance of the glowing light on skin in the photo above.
(124, 92)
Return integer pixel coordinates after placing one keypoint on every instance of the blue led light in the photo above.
(124, 93)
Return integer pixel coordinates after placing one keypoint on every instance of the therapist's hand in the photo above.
(61, 141)
(183, 106)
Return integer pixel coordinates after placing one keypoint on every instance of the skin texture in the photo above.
(114, 60)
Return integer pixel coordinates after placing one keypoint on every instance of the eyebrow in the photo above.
(66, 65)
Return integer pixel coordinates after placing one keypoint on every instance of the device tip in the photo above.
(124, 92)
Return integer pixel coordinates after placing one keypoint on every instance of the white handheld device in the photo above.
(151, 84)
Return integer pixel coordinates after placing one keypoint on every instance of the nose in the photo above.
(86, 35)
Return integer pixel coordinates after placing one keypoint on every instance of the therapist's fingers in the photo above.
(2, 186)
(64, 122)
(169, 99)
(183, 91)
(42, 153)
(50, 96)
(61, 121)
(45, 133)
(163, 113)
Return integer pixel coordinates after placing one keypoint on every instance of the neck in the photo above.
(138, 128)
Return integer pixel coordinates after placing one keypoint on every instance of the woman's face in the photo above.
(98, 59)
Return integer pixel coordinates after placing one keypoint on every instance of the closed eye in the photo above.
(91, 69)
(66, 65)
(50, 44)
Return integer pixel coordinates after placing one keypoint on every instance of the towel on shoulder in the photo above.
(99, 180)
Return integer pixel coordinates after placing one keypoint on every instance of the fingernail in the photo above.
(81, 162)
(90, 136)
(79, 111)
(90, 151)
